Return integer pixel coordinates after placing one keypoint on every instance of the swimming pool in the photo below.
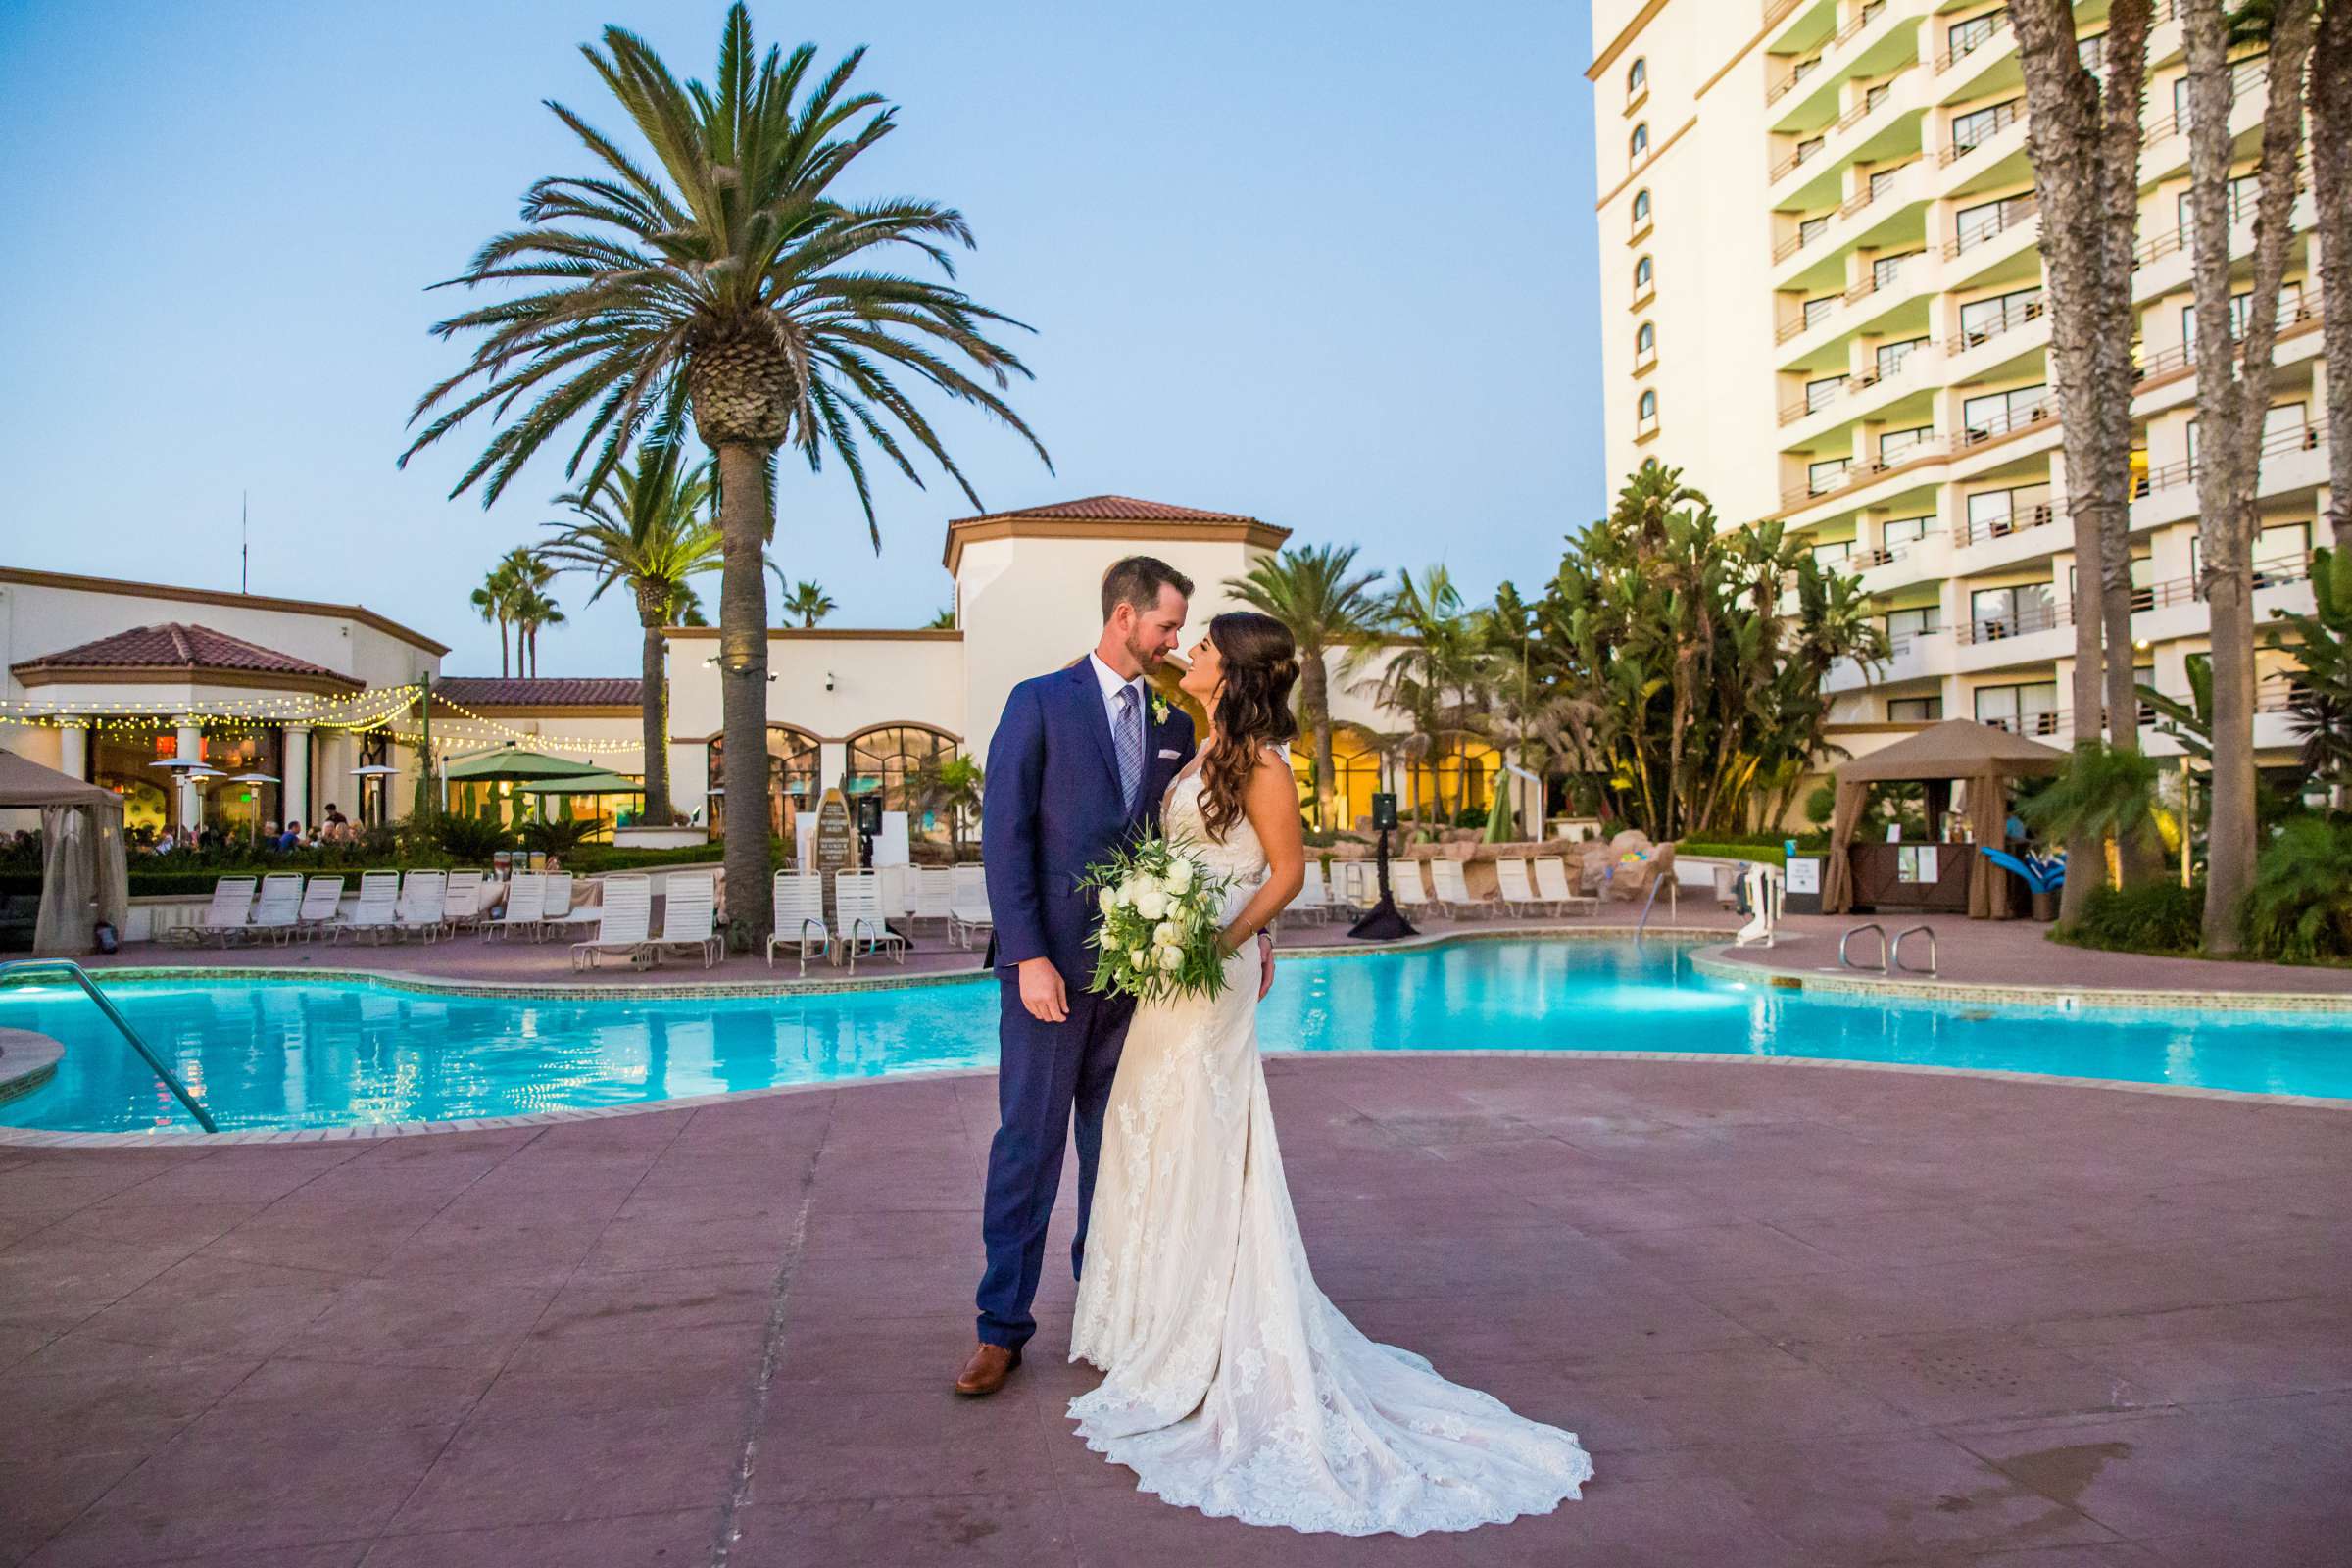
(305, 1054)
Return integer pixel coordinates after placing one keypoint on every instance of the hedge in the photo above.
(1766, 854)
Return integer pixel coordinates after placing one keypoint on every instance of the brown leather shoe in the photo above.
(985, 1373)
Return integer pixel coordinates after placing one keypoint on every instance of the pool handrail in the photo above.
(1896, 957)
(80, 977)
(1867, 925)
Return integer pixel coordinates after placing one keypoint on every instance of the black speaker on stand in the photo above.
(1385, 922)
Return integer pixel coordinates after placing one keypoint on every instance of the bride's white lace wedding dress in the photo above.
(1234, 1386)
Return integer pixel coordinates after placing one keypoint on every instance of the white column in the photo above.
(294, 795)
(191, 795)
(74, 750)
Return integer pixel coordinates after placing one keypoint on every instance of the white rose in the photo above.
(1112, 942)
(1151, 904)
(1180, 876)
(1166, 934)
(1108, 902)
(1171, 959)
(1129, 889)
(1141, 959)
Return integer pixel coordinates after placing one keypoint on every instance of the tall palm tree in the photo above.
(534, 608)
(1316, 593)
(810, 602)
(649, 526)
(1438, 672)
(725, 285)
(494, 598)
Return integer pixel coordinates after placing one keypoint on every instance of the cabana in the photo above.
(1958, 750)
(83, 877)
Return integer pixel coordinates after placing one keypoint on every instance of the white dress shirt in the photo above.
(1112, 683)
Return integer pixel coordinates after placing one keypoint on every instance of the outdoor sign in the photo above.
(836, 844)
(1805, 875)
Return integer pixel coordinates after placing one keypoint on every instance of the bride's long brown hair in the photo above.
(1259, 663)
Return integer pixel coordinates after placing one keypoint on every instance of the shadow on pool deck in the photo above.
(1799, 1316)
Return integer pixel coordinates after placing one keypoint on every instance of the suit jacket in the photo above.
(1053, 808)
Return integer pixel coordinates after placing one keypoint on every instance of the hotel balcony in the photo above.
(2016, 342)
(2163, 262)
(2164, 140)
(1978, 62)
(1887, 213)
(1920, 655)
(1928, 559)
(1877, 41)
(2039, 635)
(1996, 156)
(2175, 608)
(2294, 460)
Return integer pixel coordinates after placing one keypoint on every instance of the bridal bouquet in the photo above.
(1162, 926)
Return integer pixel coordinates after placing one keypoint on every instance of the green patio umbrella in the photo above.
(593, 783)
(513, 763)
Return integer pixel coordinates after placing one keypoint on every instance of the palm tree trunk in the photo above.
(743, 684)
(2332, 193)
(502, 671)
(1315, 695)
(655, 714)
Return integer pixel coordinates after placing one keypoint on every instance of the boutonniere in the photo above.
(1159, 708)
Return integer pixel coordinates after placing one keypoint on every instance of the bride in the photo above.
(1233, 1385)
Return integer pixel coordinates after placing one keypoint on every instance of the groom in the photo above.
(1078, 765)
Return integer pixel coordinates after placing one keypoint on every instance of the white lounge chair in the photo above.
(321, 900)
(1405, 884)
(934, 896)
(1355, 884)
(1517, 893)
(423, 905)
(857, 910)
(379, 897)
(800, 917)
(461, 904)
(228, 916)
(624, 929)
(1450, 885)
(525, 907)
(689, 919)
(969, 912)
(1313, 901)
(1552, 887)
(563, 917)
(280, 907)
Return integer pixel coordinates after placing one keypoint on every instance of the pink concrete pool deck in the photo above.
(1800, 1316)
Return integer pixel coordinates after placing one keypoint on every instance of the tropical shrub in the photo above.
(561, 838)
(2299, 910)
(469, 840)
(2159, 917)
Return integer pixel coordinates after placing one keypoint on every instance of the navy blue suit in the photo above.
(1053, 806)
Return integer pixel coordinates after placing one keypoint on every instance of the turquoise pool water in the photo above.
(293, 1053)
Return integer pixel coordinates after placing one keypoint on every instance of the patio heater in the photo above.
(1385, 922)
(377, 771)
(253, 829)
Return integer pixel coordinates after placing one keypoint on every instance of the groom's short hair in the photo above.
(1137, 580)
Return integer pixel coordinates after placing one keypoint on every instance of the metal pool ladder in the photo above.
(1927, 931)
(67, 967)
(1869, 925)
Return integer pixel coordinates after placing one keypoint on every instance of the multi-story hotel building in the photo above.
(1822, 298)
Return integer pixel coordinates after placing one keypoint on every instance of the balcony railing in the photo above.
(1977, 630)
(2011, 317)
(2172, 475)
(1847, 386)
(1775, 9)
(2276, 571)
(1889, 555)
(2015, 212)
(2244, 79)
(2017, 519)
(1978, 40)
(2184, 354)
(2042, 413)
(2005, 116)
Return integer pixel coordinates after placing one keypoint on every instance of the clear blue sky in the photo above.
(1327, 263)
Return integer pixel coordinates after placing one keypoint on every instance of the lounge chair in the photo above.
(857, 910)
(624, 929)
(524, 910)
(279, 909)
(800, 918)
(1452, 887)
(689, 919)
(228, 918)
(968, 914)
(321, 900)
(1355, 884)
(1314, 894)
(1553, 888)
(565, 917)
(379, 897)
(424, 908)
(461, 904)
(1406, 885)
(1515, 892)
(934, 896)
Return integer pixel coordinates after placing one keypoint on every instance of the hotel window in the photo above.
(1646, 343)
(1885, 270)
(1897, 445)
(1637, 77)
(1805, 150)
(2030, 708)
(1811, 230)
(1641, 208)
(1914, 710)
(1890, 356)
(1983, 319)
(1997, 412)
(1837, 550)
(1902, 533)
(1823, 477)
(1902, 624)
(1972, 225)
(1996, 514)
(792, 776)
(1646, 413)
(1880, 180)
(893, 759)
(2091, 53)
(1818, 393)
(1818, 311)
(1640, 143)
(2245, 195)
(2282, 553)
(1998, 612)
(1876, 96)
(2144, 583)
(1967, 38)
(1804, 69)
(1643, 272)
(2241, 311)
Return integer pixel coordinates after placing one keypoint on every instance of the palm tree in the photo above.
(725, 285)
(1316, 593)
(1439, 673)
(650, 527)
(945, 620)
(534, 610)
(493, 599)
(810, 602)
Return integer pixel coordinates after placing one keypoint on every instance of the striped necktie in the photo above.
(1130, 739)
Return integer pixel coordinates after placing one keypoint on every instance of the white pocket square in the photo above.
(1167, 753)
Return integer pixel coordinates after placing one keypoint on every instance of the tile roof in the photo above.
(177, 645)
(553, 690)
(1113, 509)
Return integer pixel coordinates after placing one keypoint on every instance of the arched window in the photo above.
(1643, 273)
(1646, 417)
(1646, 341)
(1637, 77)
(895, 759)
(792, 777)
(1456, 778)
(1355, 775)
(1640, 143)
(1641, 208)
